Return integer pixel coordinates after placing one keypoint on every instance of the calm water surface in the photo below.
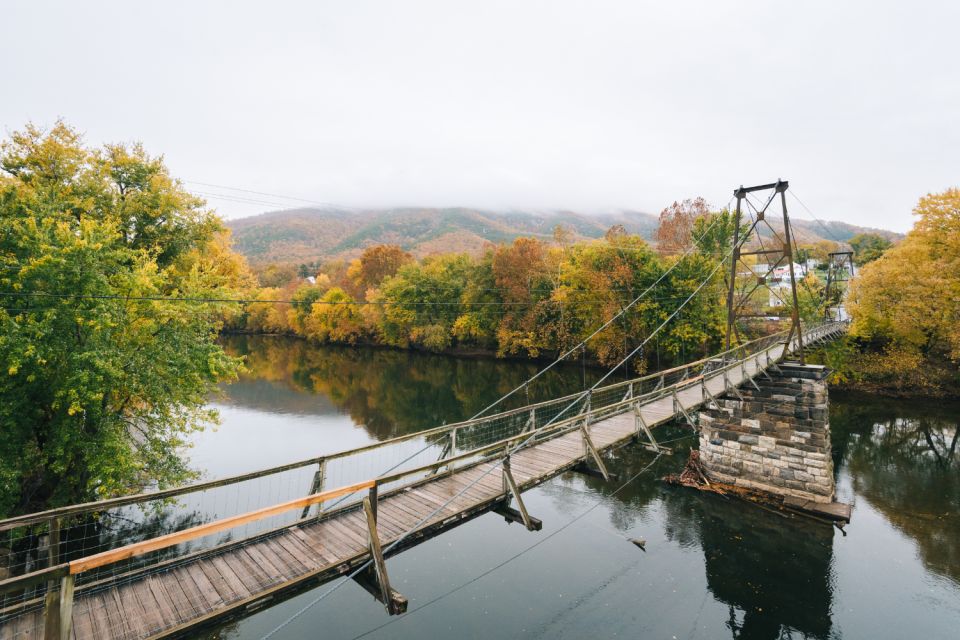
(712, 568)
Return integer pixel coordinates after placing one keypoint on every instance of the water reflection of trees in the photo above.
(391, 392)
(904, 458)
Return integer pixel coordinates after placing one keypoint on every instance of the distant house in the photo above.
(780, 293)
(783, 272)
(312, 279)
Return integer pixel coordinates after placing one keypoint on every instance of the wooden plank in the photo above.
(270, 565)
(286, 562)
(121, 627)
(341, 540)
(413, 509)
(417, 494)
(356, 523)
(346, 537)
(472, 491)
(241, 561)
(296, 552)
(379, 565)
(224, 588)
(81, 624)
(103, 626)
(169, 615)
(235, 575)
(211, 597)
(441, 500)
(199, 531)
(133, 611)
(190, 590)
(322, 553)
(539, 461)
(324, 536)
(562, 448)
(148, 605)
(388, 525)
(388, 511)
(28, 625)
(181, 607)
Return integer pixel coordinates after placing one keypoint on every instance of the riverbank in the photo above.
(470, 352)
(892, 373)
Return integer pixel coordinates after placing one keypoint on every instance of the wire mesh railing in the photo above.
(41, 548)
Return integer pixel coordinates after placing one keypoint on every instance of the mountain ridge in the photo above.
(308, 234)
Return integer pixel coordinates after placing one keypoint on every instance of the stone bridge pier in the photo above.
(775, 438)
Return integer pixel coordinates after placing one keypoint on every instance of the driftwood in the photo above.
(694, 476)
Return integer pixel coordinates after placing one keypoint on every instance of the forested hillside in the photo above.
(313, 234)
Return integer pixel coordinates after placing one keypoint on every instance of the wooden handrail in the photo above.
(199, 531)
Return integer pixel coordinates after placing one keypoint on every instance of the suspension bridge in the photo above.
(166, 562)
(166, 584)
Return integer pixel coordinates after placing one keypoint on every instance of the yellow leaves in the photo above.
(13, 370)
(911, 295)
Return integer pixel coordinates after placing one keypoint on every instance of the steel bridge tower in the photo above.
(759, 251)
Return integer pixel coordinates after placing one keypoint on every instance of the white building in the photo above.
(783, 272)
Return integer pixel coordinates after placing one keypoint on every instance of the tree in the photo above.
(674, 235)
(712, 233)
(422, 302)
(819, 251)
(867, 247)
(101, 378)
(521, 275)
(909, 298)
(334, 318)
(276, 275)
(377, 263)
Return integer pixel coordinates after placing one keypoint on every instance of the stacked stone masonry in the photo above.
(775, 439)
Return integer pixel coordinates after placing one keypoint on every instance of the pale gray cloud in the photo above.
(560, 104)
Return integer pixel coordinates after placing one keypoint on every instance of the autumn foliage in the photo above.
(675, 233)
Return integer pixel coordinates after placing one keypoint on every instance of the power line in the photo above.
(270, 195)
(825, 227)
(531, 435)
(523, 552)
(246, 301)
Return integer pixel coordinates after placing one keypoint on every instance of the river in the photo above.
(712, 568)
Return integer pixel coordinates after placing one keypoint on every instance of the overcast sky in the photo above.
(581, 105)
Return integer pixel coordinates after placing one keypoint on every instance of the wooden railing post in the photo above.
(592, 450)
(514, 490)
(393, 602)
(66, 606)
(55, 626)
(641, 427)
(372, 494)
(317, 486)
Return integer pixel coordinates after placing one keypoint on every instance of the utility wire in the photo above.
(510, 451)
(270, 195)
(517, 555)
(825, 227)
(211, 300)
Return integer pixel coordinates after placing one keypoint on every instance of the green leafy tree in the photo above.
(101, 380)
(713, 233)
(867, 247)
(335, 317)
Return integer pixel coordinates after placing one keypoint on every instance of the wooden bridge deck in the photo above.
(247, 574)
